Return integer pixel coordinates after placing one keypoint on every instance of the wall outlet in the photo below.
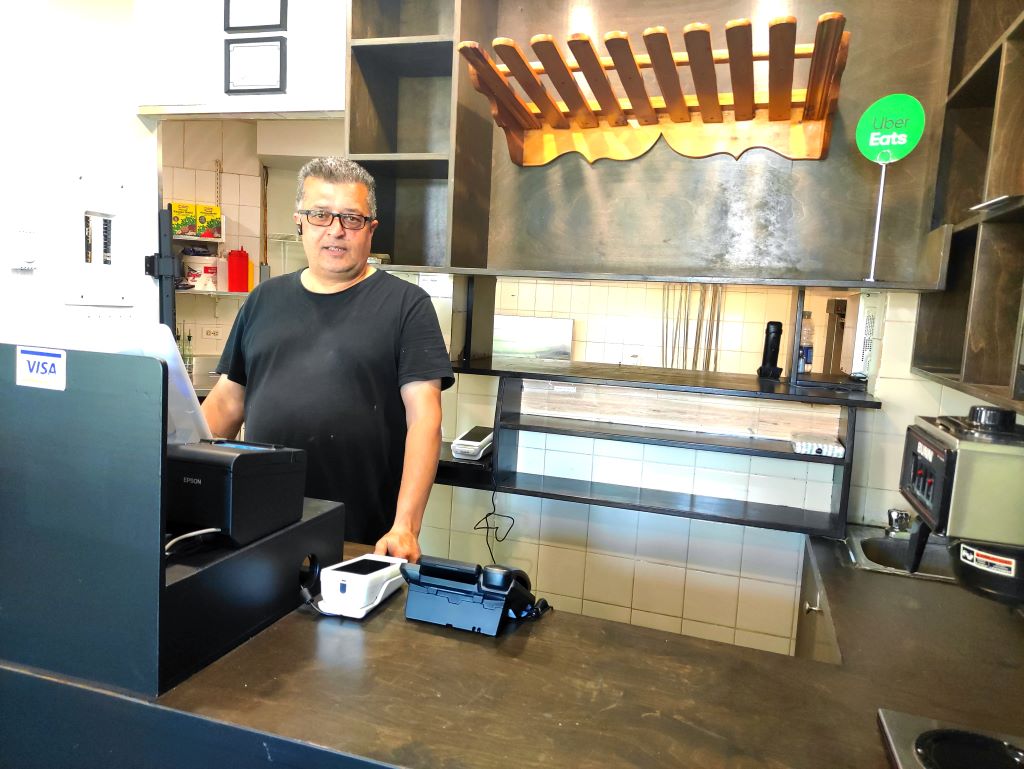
(211, 332)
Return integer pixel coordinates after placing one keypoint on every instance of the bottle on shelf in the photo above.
(805, 357)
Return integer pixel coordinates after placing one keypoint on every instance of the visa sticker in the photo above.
(41, 367)
(996, 564)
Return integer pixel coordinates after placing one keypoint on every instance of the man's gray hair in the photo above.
(338, 171)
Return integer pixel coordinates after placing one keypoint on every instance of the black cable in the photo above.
(485, 523)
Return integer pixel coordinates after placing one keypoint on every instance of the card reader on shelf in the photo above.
(473, 443)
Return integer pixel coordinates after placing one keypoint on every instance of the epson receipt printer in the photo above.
(468, 596)
(247, 490)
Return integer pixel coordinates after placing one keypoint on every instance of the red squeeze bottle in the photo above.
(238, 270)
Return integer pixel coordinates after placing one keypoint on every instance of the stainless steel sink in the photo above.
(870, 549)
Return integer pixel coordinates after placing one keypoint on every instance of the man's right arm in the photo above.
(224, 408)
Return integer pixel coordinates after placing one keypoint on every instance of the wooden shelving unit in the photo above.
(558, 118)
(969, 336)
(411, 125)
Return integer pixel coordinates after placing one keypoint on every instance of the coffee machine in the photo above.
(964, 477)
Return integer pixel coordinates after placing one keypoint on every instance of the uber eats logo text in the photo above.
(890, 128)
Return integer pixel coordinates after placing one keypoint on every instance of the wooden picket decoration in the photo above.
(557, 116)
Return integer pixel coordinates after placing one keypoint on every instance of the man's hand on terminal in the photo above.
(401, 543)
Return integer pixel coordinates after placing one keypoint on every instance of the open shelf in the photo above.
(404, 165)
(455, 471)
(760, 447)
(674, 503)
(401, 18)
(710, 382)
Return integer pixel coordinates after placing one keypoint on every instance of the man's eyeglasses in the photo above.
(320, 218)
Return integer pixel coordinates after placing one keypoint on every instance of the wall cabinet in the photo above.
(969, 336)
(413, 124)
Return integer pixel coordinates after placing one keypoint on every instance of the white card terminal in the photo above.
(473, 443)
(355, 587)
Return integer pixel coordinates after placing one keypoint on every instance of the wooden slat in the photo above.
(493, 81)
(844, 51)
(702, 66)
(512, 55)
(827, 39)
(632, 81)
(586, 57)
(558, 71)
(741, 67)
(781, 42)
(660, 50)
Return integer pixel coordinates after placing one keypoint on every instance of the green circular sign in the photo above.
(890, 128)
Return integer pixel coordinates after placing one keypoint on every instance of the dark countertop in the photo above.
(582, 692)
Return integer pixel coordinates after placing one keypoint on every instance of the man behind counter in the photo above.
(344, 361)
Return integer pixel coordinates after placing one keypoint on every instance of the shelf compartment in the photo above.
(401, 18)
(1006, 169)
(472, 473)
(761, 447)
(674, 503)
(405, 165)
(791, 122)
(400, 98)
(942, 316)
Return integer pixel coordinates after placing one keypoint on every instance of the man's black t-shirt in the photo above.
(322, 372)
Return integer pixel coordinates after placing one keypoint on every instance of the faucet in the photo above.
(899, 524)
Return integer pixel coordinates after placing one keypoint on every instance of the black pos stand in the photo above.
(85, 589)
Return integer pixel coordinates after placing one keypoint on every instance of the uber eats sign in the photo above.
(890, 128)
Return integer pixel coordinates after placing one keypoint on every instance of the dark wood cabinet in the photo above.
(969, 336)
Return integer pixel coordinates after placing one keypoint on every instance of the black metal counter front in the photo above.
(567, 691)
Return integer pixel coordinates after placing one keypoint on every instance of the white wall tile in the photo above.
(658, 588)
(886, 458)
(249, 221)
(710, 598)
(525, 512)
(206, 187)
(766, 607)
(877, 503)
(902, 400)
(532, 440)
(708, 631)
(468, 547)
(820, 472)
(612, 531)
(185, 185)
(897, 346)
(662, 538)
(570, 443)
(563, 603)
(563, 464)
(720, 460)
(172, 143)
(438, 512)
(669, 455)
(473, 410)
(818, 496)
(560, 571)
(778, 468)
(239, 150)
(761, 641)
(953, 403)
(229, 189)
(718, 483)
(624, 472)
(715, 547)
(901, 306)
(530, 461)
(468, 507)
(608, 579)
(776, 491)
(771, 555)
(449, 413)
(654, 621)
(620, 449)
(605, 611)
(478, 384)
(434, 541)
(203, 144)
(564, 524)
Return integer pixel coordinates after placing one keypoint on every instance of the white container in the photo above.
(200, 271)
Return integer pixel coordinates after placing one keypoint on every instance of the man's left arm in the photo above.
(422, 448)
